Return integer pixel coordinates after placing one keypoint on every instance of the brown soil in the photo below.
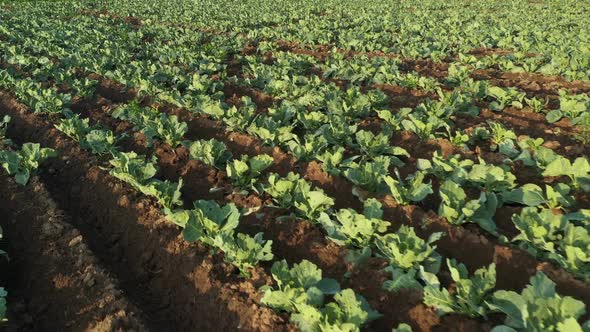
(532, 83)
(403, 97)
(233, 92)
(113, 90)
(50, 259)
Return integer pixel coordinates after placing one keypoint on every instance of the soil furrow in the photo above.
(50, 259)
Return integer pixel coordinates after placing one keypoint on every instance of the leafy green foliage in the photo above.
(24, 162)
(238, 118)
(573, 107)
(583, 133)
(3, 308)
(354, 229)
(215, 226)
(74, 127)
(3, 126)
(536, 104)
(206, 221)
(502, 139)
(98, 141)
(505, 97)
(244, 172)
(393, 121)
(402, 327)
(491, 178)
(407, 254)
(573, 249)
(368, 174)
(167, 193)
(167, 128)
(425, 126)
(132, 168)
(272, 128)
(294, 192)
(458, 210)
(302, 292)
(470, 294)
(245, 251)
(404, 249)
(348, 312)
(554, 197)
(320, 109)
(211, 152)
(457, 74)
(578, 171)
(312, 146)
(152, 123)
(413, 189)
(337, 131)
(139, 173)
(452, 168)
(538, 308)
(301, 284)
(533, 153)
(458, 138)
(431, 118)
(555, 237)
(333, 161)
(373, 145)
(539, 228)
(39, 98)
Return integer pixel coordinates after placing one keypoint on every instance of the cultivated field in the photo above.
(295, 165)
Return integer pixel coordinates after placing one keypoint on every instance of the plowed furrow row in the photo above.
(51, 259)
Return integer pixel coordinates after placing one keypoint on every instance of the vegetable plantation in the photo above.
(295, 165)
